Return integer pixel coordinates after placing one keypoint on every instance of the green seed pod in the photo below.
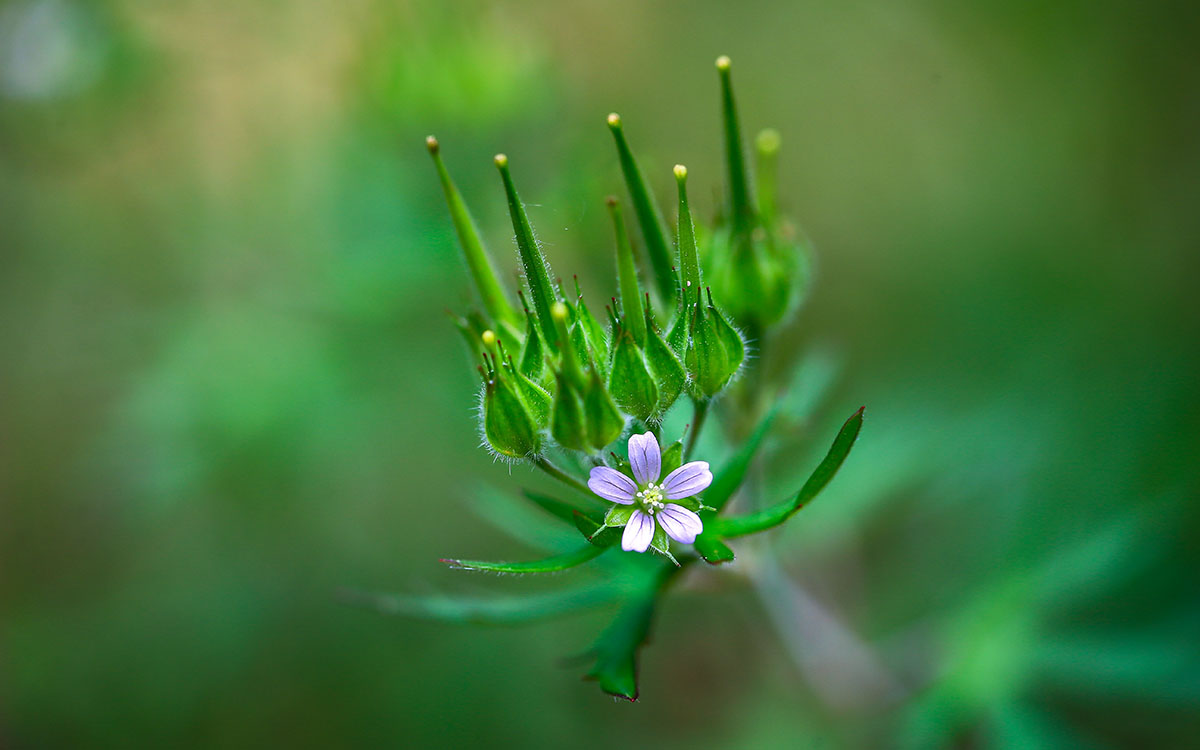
(604, 420)
(508, 426)
(593, 333)
(631, 384)
(668, 372)
(533, 350)
(715, 351)
(536, 398)
(568, 424)
(731, 340)
(753, 258)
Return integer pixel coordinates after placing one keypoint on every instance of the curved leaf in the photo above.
(545, 565)
(777, 514)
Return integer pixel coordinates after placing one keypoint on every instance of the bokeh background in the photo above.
(228, 386)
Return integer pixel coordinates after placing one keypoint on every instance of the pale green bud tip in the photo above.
(501, 160)
(614, 120)
(431, 143)
(724, 63)
(768, 141)
(558, 311)
(680, 172)
(489, 337)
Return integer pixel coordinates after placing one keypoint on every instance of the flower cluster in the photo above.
(577, 397)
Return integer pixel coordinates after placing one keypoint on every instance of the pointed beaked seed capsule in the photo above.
(569, 360)
(650, 219)
(568, 424)
(631, 294)
(533, 263)
(689, 259)
(507, 424)
(478, 262)
(604, 420)
(767, 146)
(668, 372)
(742, 212)
(705, 358)
(537, 400)
(731, 340)
(631, 384)
(533, 350)
(593, 333)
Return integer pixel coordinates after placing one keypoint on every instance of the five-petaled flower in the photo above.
(648, 498)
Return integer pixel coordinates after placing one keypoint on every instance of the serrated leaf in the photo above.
(777, 514)
(545, 565)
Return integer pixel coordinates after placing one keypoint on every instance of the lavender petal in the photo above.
(611, 484)
(645, 457)
(681, 524)
(689, 479)
(639, 532)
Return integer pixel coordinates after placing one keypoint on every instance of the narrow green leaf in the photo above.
(616, 650)
(533, 263)
(478, 261)
(733, 472)
(777, 514)
(545, 565)
(631, 295)
(654, 229)
(559, 508)
(489, 610)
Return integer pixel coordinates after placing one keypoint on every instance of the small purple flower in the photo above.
(645, 458)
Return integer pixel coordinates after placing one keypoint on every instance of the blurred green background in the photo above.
(228, 387)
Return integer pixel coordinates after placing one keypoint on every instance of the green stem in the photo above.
(700, 414)
(560, 475)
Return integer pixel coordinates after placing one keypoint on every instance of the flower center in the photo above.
(651, 498)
